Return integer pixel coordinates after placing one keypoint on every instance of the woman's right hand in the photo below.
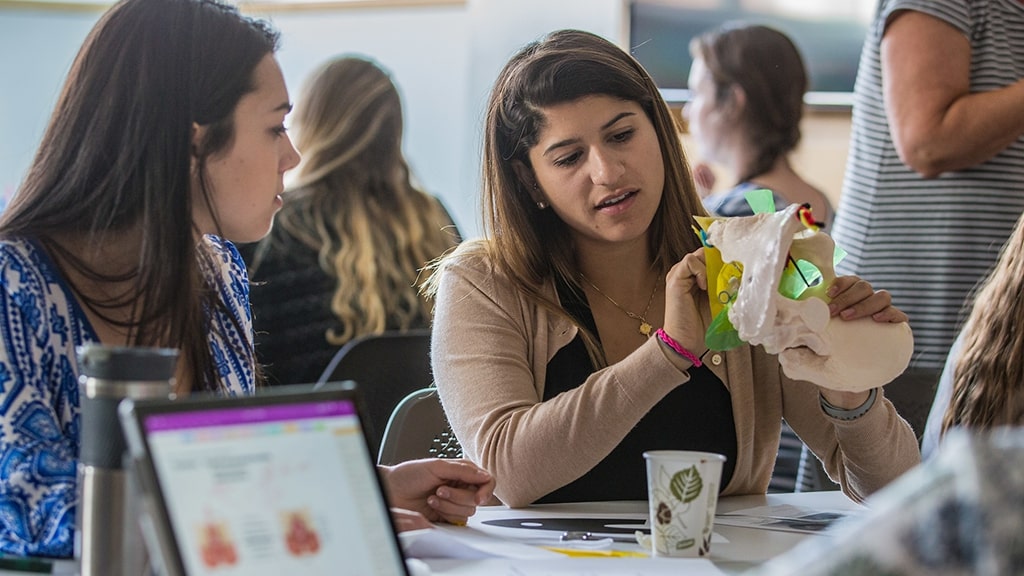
(686, 281)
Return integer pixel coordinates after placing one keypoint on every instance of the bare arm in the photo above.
(937, 124)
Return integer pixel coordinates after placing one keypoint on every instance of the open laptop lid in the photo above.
(277, 483)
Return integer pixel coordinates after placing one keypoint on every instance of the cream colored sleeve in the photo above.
(487, 343)
(862, 455)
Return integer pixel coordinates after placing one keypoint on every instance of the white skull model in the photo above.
(847, 355)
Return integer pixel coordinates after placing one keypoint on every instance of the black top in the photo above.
(694, 416)
(290, 297)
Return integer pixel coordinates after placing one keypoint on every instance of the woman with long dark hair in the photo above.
(167, 144)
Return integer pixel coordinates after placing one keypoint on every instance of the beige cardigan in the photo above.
(490, 350)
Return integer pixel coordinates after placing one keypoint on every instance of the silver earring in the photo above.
(540, 203)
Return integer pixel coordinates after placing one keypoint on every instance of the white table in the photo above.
(746, 547)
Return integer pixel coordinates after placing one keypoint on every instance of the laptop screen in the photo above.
(271, 488)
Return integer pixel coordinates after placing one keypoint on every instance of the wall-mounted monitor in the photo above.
(829, 34)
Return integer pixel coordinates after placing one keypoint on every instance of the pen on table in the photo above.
(583, 553)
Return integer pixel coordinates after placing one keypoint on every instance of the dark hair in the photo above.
(565, 66)
(117, 158)
(768, 67)
(532, 245)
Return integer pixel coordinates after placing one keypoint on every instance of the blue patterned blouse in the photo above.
(41, 323)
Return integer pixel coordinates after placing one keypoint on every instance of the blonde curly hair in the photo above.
(355, 203)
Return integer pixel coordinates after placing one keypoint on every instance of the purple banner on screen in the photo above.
(249, 415)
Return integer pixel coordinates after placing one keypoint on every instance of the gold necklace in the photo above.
(645, 326)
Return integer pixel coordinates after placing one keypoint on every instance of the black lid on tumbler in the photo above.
(110, 374)
(127, 364)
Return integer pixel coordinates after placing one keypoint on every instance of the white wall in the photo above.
(443, 58)
(36, 51)
(499, 28)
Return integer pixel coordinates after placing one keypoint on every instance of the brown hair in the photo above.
(533, 246)
(117, 157)
(988, 380)
(767, 66)
(355, 203)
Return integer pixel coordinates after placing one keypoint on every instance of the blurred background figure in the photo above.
(747, 84)
(982, 386)
(935, 178)
(346, 249)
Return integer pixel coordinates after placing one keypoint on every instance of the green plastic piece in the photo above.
(761, 201)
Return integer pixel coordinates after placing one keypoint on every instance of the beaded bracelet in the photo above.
(664, 337)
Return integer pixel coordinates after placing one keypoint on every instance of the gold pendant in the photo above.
(645, 329)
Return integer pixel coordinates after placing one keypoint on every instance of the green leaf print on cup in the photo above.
(686, 485)
(676, 493)
(682, 494)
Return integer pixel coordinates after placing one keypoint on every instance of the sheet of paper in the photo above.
(465, 543)
(784, 517)
(579, 567)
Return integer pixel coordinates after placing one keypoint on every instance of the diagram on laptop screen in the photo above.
(272, 489)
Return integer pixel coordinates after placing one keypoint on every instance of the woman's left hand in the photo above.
(854, 298)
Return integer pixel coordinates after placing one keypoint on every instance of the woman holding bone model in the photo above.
(571, 339)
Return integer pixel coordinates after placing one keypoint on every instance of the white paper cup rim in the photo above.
(686, 455)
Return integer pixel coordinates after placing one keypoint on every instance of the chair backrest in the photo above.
(912, 394)
(418, 428)
(787, 462)
(385, 367)
(811, 475)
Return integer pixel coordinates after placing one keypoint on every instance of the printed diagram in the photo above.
(217, 545)
(300, 536)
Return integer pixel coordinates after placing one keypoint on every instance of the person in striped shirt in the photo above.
(935, 178)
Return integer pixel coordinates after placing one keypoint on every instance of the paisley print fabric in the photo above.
(41, 324)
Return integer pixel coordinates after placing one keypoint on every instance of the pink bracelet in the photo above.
(664, 337)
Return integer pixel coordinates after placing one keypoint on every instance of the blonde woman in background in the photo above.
(346, 248)
(982, 385)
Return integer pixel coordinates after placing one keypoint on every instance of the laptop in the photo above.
(281, 482)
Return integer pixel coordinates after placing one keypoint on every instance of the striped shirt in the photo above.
(929, 242)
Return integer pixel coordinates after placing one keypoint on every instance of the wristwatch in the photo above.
(851, 414)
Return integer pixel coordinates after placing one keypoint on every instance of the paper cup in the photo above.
(682, 493)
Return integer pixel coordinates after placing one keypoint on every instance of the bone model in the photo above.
(847, 355)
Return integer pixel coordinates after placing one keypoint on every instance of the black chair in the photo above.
(386, 368)
(912, 394)
(811, 477)
(787, 462)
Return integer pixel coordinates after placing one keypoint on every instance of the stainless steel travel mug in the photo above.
(107, 537)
